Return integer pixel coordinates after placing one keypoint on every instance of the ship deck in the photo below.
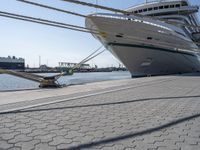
(154, 113)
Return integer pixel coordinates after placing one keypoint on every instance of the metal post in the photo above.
(39, 61)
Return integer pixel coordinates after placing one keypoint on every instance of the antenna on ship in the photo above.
(96, 4)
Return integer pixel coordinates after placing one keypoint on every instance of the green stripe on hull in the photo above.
(151, 47)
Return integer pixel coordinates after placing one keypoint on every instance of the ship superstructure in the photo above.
(156, 38)
(173, 12)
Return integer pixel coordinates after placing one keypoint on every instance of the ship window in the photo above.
(149, 38)
(155, 8)
(167, 6)
(150, 9)
(140, 11)
(144, 10)
(160, 7)
(178, 5)
(171, 6)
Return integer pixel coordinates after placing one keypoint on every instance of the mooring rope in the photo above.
(98, 6)
(52, 8)
(83, 61)
(101, 7)
(88, 58)
(47, 22)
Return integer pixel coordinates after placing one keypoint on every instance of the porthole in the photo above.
(119, 35)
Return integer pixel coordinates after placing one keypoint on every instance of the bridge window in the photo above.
(155, 8)
(136, 11)
(178, 5)
(140, 11)
(184, 4)
(172, 6)
(160, 7)
(166, 6)
(144, 10)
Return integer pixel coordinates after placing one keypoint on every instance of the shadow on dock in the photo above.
(97, 105)
(132, 135)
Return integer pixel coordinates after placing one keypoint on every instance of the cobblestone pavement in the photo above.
(160, 116)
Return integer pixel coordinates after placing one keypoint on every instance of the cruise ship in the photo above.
(154, 38)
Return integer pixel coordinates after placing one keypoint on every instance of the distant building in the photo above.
(44, 68)
(12, 63)
(71, 65)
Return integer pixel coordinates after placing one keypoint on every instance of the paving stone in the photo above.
(73, 134)
(37, 132)
(15, 148)
(129, 148)
(162, 148)
(61, 132)
(27, 130)
(65, 146)
(6, 130)
(45, 138)
(52, 127)
(189, 147)
(8, 136)
(27, 145)
(113, 147)
(20, 138)
(44, 146)
(19, 126)
(60, 140)
(5, 145)
(141, 145)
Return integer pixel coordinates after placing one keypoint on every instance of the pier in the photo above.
(148, 113)
(153, 113)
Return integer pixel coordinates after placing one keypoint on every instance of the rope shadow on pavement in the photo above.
(96, 105)
(132, 135)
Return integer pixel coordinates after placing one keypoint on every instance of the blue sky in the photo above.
(29, 40)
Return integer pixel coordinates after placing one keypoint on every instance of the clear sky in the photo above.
(29, 40)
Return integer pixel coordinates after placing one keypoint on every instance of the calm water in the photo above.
(8, 82)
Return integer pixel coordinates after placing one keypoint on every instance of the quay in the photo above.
(152, 113)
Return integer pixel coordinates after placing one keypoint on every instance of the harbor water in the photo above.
(8, 82)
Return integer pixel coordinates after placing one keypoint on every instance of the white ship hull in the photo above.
(146, 47)
(146, 61)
